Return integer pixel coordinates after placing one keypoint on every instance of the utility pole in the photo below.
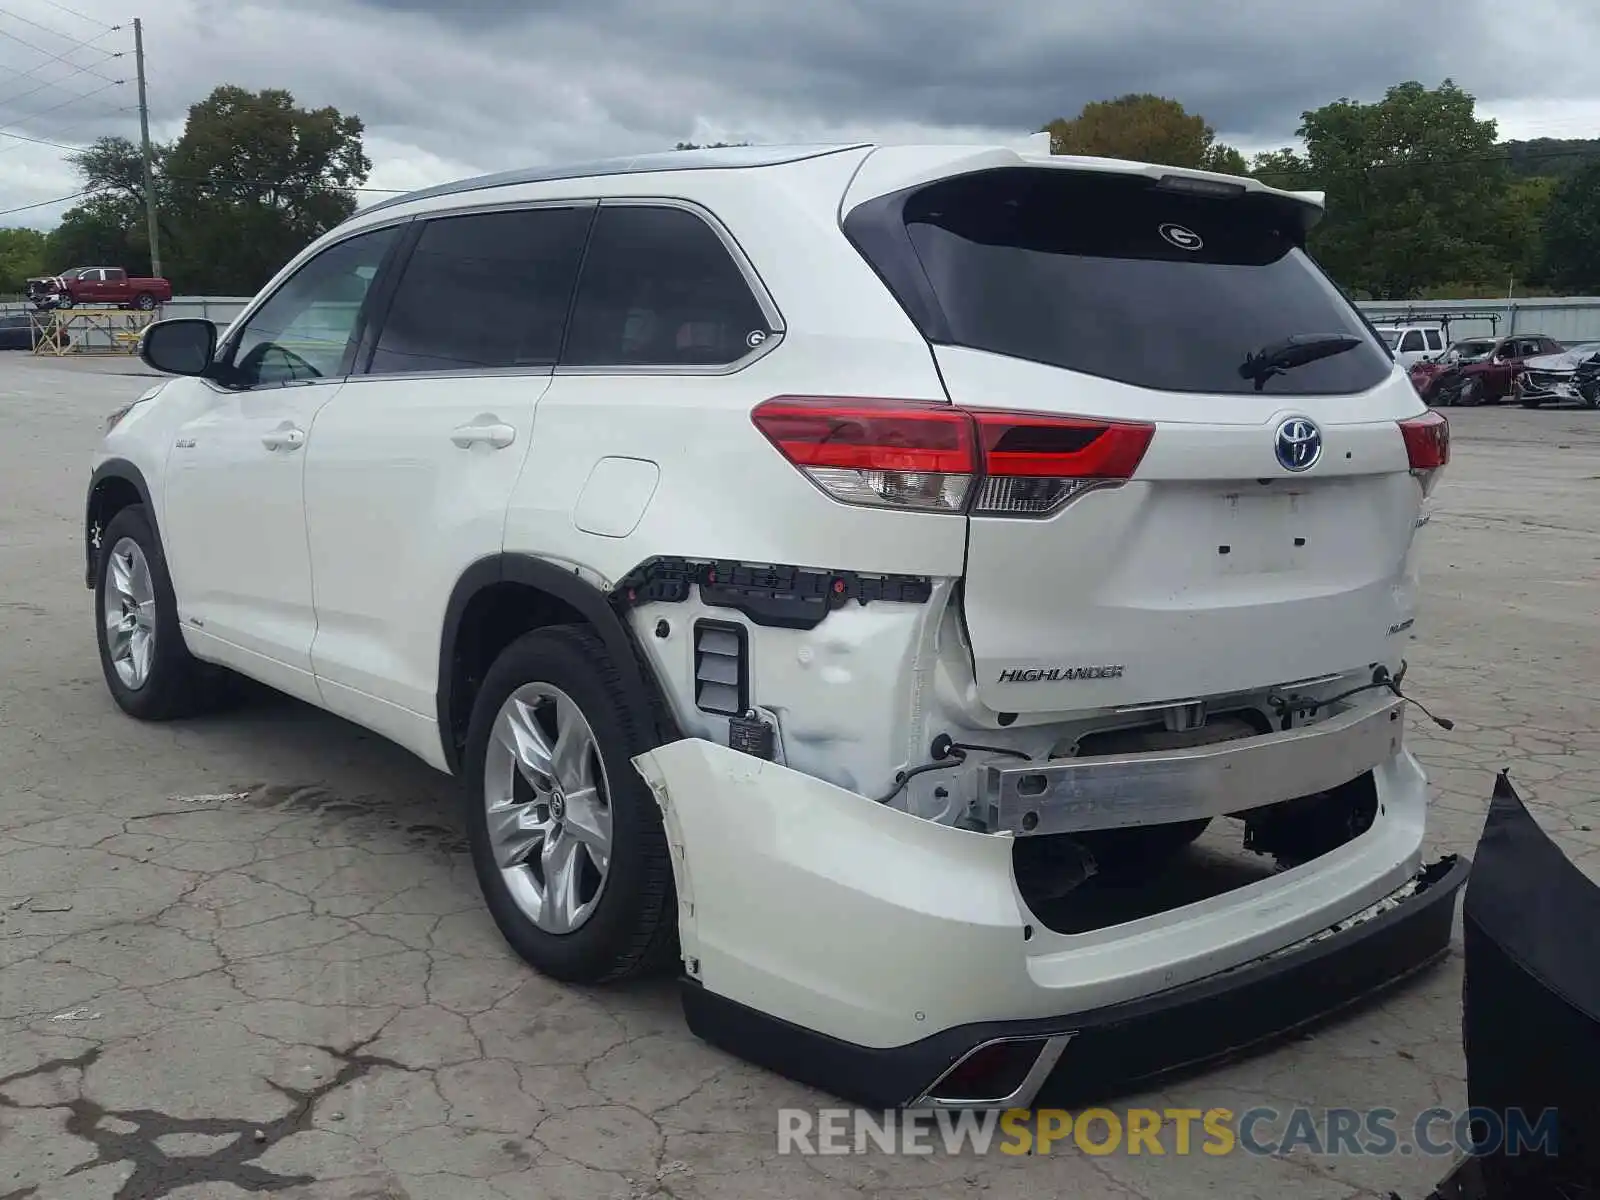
(144, 137)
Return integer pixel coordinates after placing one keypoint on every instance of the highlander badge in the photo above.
(1059, 674)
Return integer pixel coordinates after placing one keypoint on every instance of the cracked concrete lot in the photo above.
(247, 955)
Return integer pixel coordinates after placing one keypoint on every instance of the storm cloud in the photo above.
(479, 85)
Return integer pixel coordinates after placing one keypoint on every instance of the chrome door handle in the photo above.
(284, 439)
(497, 435)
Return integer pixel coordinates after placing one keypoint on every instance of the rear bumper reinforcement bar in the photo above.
(1167, 786)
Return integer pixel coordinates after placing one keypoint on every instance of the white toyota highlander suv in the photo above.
(855, 573)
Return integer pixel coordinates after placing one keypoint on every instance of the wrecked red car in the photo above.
(1477, 370)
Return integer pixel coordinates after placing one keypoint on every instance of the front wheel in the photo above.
(1470, 394)
(566, 838)
(147, 666)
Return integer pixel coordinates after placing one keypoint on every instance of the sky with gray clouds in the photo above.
(454, 88)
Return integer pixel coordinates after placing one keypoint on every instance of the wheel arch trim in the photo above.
(560, 584)
(112, 468)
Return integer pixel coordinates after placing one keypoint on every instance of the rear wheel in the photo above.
(144, 302)
(1470, 393)
(566, 839)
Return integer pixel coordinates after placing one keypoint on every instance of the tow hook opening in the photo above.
(1004, 1073)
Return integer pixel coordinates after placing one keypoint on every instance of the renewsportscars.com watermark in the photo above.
(1327, 1132)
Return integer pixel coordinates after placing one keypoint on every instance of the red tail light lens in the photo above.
(927, 455)
(1427, 441)
(881, 453)
(1035, 464)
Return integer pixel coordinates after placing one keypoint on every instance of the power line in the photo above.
(69, 100)
(76, 42)
(50, 83)
(62, 58)
(72, 12)
(22, 137)
(6, 212)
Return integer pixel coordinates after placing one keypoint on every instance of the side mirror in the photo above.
(182, 346)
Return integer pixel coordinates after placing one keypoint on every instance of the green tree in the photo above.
(1144, 128)
(100, 232)
(1416, 190)
(254, 178)
(1571, 234)
(22, 256)
(251, 180)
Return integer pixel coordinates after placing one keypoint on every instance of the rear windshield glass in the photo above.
(1112, 276)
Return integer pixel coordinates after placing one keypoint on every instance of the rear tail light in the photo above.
(1427, 441)
(880, 453)
(934, 457)
(1035, 464)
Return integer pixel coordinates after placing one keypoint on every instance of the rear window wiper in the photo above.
(1294, 351)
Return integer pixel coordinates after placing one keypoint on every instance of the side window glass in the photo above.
(1435, 342)
(484, 291)
(1412, 340)
(659, 289)
(305, 328)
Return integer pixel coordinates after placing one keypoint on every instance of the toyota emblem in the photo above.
(1298, 444)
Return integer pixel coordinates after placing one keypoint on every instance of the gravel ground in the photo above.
(246, 954)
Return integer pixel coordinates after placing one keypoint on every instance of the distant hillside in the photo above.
(1551, 156)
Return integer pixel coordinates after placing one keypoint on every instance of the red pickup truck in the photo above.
(98, 287)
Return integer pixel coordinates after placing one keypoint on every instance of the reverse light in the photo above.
(934, 457)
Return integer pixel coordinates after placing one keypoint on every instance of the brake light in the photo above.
(881, 453)
(927, 455)
(1427, 441)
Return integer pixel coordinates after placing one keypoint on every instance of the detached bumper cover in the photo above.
(1116, 1048)
(866, 951)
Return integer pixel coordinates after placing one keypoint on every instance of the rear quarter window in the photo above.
(1112, 276)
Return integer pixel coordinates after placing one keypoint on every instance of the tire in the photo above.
(618, 920)
(1470, 394)
(172, 682)
(144, 302)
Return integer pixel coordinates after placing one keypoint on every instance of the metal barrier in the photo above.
(59, 332)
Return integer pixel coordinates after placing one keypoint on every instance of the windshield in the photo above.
(1110, 275)
(1472, 349)
(1391, 337)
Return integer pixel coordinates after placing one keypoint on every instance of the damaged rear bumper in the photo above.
(1091, 1055)
(891, 960)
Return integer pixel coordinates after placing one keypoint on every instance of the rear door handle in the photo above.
(288, 438)
(493, 434)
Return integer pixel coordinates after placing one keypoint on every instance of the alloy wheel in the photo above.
(549, 807)
(129, 613)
